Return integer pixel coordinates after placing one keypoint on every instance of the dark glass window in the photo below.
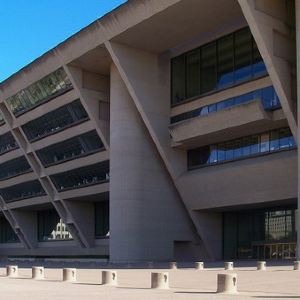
(193, 73)
(7, 143)
(229, 60)
(45, 89)
(208, 67)
(225, 62)
(7, 234)
(84, 144)
(243, 55)
(14, 167)
(242, 147)
(82, 177)
(51, 227)
(22, 191)
(266, 95)
(178, 79)
(268, 233)
(56, 120)
(101, 219)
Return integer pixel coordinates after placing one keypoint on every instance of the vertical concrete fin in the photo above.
(267, 20)
(148, 85)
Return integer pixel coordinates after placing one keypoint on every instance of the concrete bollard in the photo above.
(38, 273)
(199, 265)
(227, 283)
(228, 265)
(69, 275)
(297, 265)
(109, 278)
(261, 265)
(12, 271)
(173, 265)
(160, 280)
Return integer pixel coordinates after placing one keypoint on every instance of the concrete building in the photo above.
(166, 130)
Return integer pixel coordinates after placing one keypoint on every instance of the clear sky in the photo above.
(28, 28)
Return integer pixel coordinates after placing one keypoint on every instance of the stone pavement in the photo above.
(278, 282)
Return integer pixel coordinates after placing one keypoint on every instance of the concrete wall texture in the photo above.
(119, 68)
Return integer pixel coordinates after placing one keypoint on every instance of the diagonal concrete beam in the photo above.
(267, 20)
(148, 85)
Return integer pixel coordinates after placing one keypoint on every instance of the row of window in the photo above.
(14, 167)
(243, 147)
(266, 95)
(248, 234)
(48, 87)
(7, 143)
(230, 60)
(81, 177)
(56, 120)
(75, 147)
(29, 189)
(51, 228)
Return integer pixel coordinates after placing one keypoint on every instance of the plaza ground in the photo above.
(278, 282)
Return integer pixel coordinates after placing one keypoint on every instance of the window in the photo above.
(22, 191)
(266, 95)
(243, 147)
(7, 143)
(51, 227)
(54, 121)
(7, 234)
(268, 233)
(230, 60)
(14, 167)
(45, 89)
(82, 177)
(101, 219)
(84, 144)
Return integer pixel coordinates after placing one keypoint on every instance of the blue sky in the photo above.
(28, 28)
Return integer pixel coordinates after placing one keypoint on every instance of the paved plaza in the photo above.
(278, 282)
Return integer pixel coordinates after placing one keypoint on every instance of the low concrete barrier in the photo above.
(38, 273)
(109, 278)
(69, 275)
(173, 265)
(297, 265)
(12, 271)
(160, 280)
(199, 265)
(227, 283)
(261, 265)
(228, 265)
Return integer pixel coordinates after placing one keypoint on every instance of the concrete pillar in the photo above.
(109, 278)
(297, 265)
(199, 265)
(261, 265)
(38, 273)
(69, 275)
(160, 280)
(12, 271)
(297, 9)
(228, 265)
(173, 265)
(141, 186)
(227, 283)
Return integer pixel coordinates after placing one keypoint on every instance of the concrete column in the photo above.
(146, 214)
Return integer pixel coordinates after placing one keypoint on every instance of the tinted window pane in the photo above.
(193, 73)
(225, 61)
(259, 67)
(178, 79)
(243, 55)
(208, 67)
